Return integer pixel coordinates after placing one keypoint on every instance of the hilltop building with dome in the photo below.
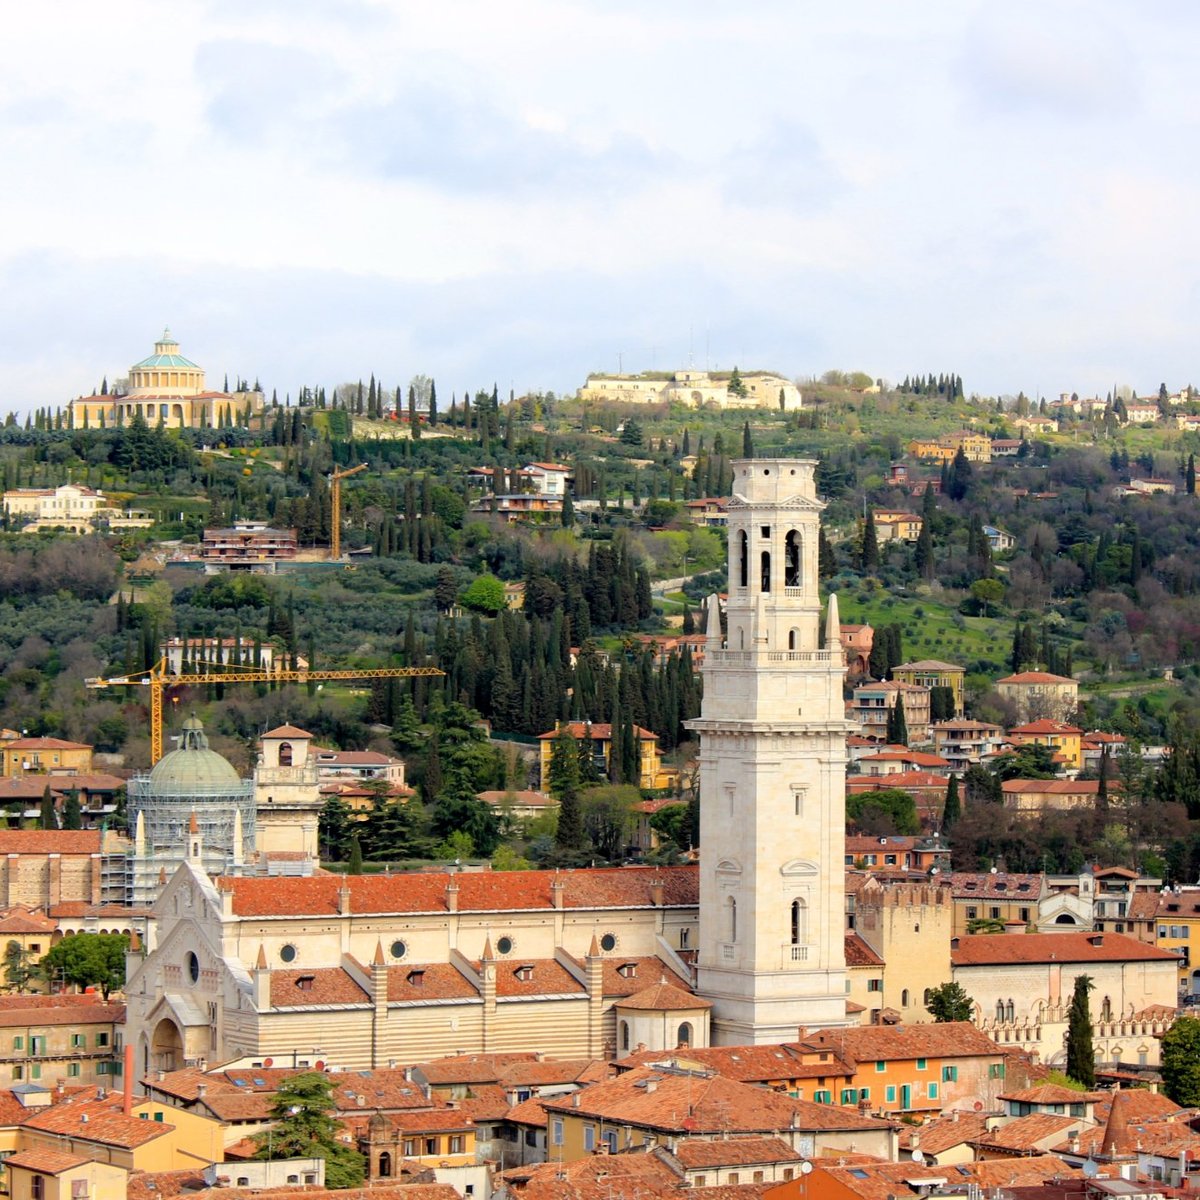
(165, 387)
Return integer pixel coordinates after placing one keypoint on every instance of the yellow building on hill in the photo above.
(166, 387)
(651, 774)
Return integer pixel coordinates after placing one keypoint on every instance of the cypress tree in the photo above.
(1191, 475)
(1081, 1058)
(869, 552)
(953, 806)
(747, 442)
(72, 813)
(355, 864)
(47, 817)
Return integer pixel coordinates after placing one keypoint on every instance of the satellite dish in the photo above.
(1090, 1169)
(268, 1062)
(806, 1168)
(918, 1156)
(320, 1065)
(993, 871)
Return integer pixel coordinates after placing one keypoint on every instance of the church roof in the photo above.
(486, 891)
(165, 354)
(664, 997)
(193, 768)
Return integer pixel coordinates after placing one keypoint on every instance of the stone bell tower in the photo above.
(772, 772)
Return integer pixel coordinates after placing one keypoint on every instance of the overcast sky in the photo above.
(527, 190)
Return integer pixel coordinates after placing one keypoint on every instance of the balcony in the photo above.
(793, 953)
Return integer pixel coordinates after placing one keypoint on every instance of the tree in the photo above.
(72, 812)
(923, 555)
(355, 865)
(737, 386)
(485, 595)
(987, 593)
(1081, 1058)
(47, 817)
(885, 812)
(306, 1128)
(747, 441)
(88, 960)
(897, 724)
(564, 786)
(445, 590)
(631, 434)
(868, 557)
(1181, 1062)
(568, 512)
(949, 1002)
(18, 973)
(952, 809)
(608, 818)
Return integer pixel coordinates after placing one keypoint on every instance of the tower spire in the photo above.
(833, 624)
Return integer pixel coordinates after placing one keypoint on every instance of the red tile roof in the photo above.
(49, 841)
(46, 1162)
(859, 954)
(1051, 1093)
(429, 981)
(287, 731)
(1025, 1133)
(43, 743)
(484, 891)
(104, 1123)
(697, 1154)
(645, 969)
(686, 1102)
(316, 985)
(1047, 726)
(747, 1064)
(1035, 677)
(600, 731)
(664, 997)
(546, 977)
(1001, 886)
(1028, 948)
(889, 1043)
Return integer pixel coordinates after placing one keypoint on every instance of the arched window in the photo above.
(791, 559)
(927, 997)
(798, 922)
(731, 924)
(285, 754)
(1011, 1010)
(624, 1035)
(1064, 919)
(904, 998)
(1000, 1010)
(685, 1034)
(766, 570)
(1106, 1009)
(743, 561)
(791, 639)
(385, 1165)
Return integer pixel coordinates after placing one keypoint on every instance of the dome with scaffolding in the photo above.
(190, 783)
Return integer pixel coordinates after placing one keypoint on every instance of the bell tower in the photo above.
(772, 772)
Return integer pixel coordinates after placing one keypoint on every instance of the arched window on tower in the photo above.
(743, 560)
(1000, 1011)
(798, 923)
(731, 922)
(1010, 1012)
(285, 754)
(904, 998)
(684, 1037)
(791, 559)
(791, 639)
(766, 571)
(385, 1165)
(624, 1035)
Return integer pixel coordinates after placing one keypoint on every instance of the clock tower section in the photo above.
(772, 772)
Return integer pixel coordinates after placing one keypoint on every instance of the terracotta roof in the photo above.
(30, 1012)
(1056, 787)
(898, 779)
(46, 1162)
(105, 1123)
(287, 731)
(523, 799)
(1046, 726)
(696, 1153)
(1140, 1104)
(487, 1102)
(430, 1120)
(1024, 1133)
(351, 758)
(1002, 885)
(859, 954)
(484, 891)
(49, 841)
(528, 1112)
(24, 920)
(428, 981)
(549, 1071)
(920, 757)
(600, 731)
(663, 997)
(1035, 677)
(878, 1181)
(316, 985)
(535, 977)
(888, 1043)
(686, 1102)
(595, 1177)
(1051, 1093)
(1142, 906)
(945, 1132)
(1027, 948)
(747, 1064)
(44, 743)
(470, 1068)
(646, 969)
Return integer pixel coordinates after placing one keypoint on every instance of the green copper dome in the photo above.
(166, 354)
(193, 768)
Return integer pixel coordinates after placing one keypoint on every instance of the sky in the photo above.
(523, 192)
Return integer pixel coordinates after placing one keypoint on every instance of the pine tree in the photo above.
(897, 724)
(355, 864)
(72, 812)
(747, 442)
(1081, 1058)
(1191, 475)
(923, 555)
(433, 413)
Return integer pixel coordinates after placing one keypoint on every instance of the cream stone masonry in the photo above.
(772, 772)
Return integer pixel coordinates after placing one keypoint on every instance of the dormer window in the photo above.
(524, 972)
(416, 978)
(305, 982)
(627, 970)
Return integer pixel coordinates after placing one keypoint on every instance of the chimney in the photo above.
(651, 1086)
(452, 896)
(344, 897)
(656, 892)
(574, 1099)
(557, 887)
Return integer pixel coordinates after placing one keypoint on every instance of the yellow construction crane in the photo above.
(158, 679)
(336, 517)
